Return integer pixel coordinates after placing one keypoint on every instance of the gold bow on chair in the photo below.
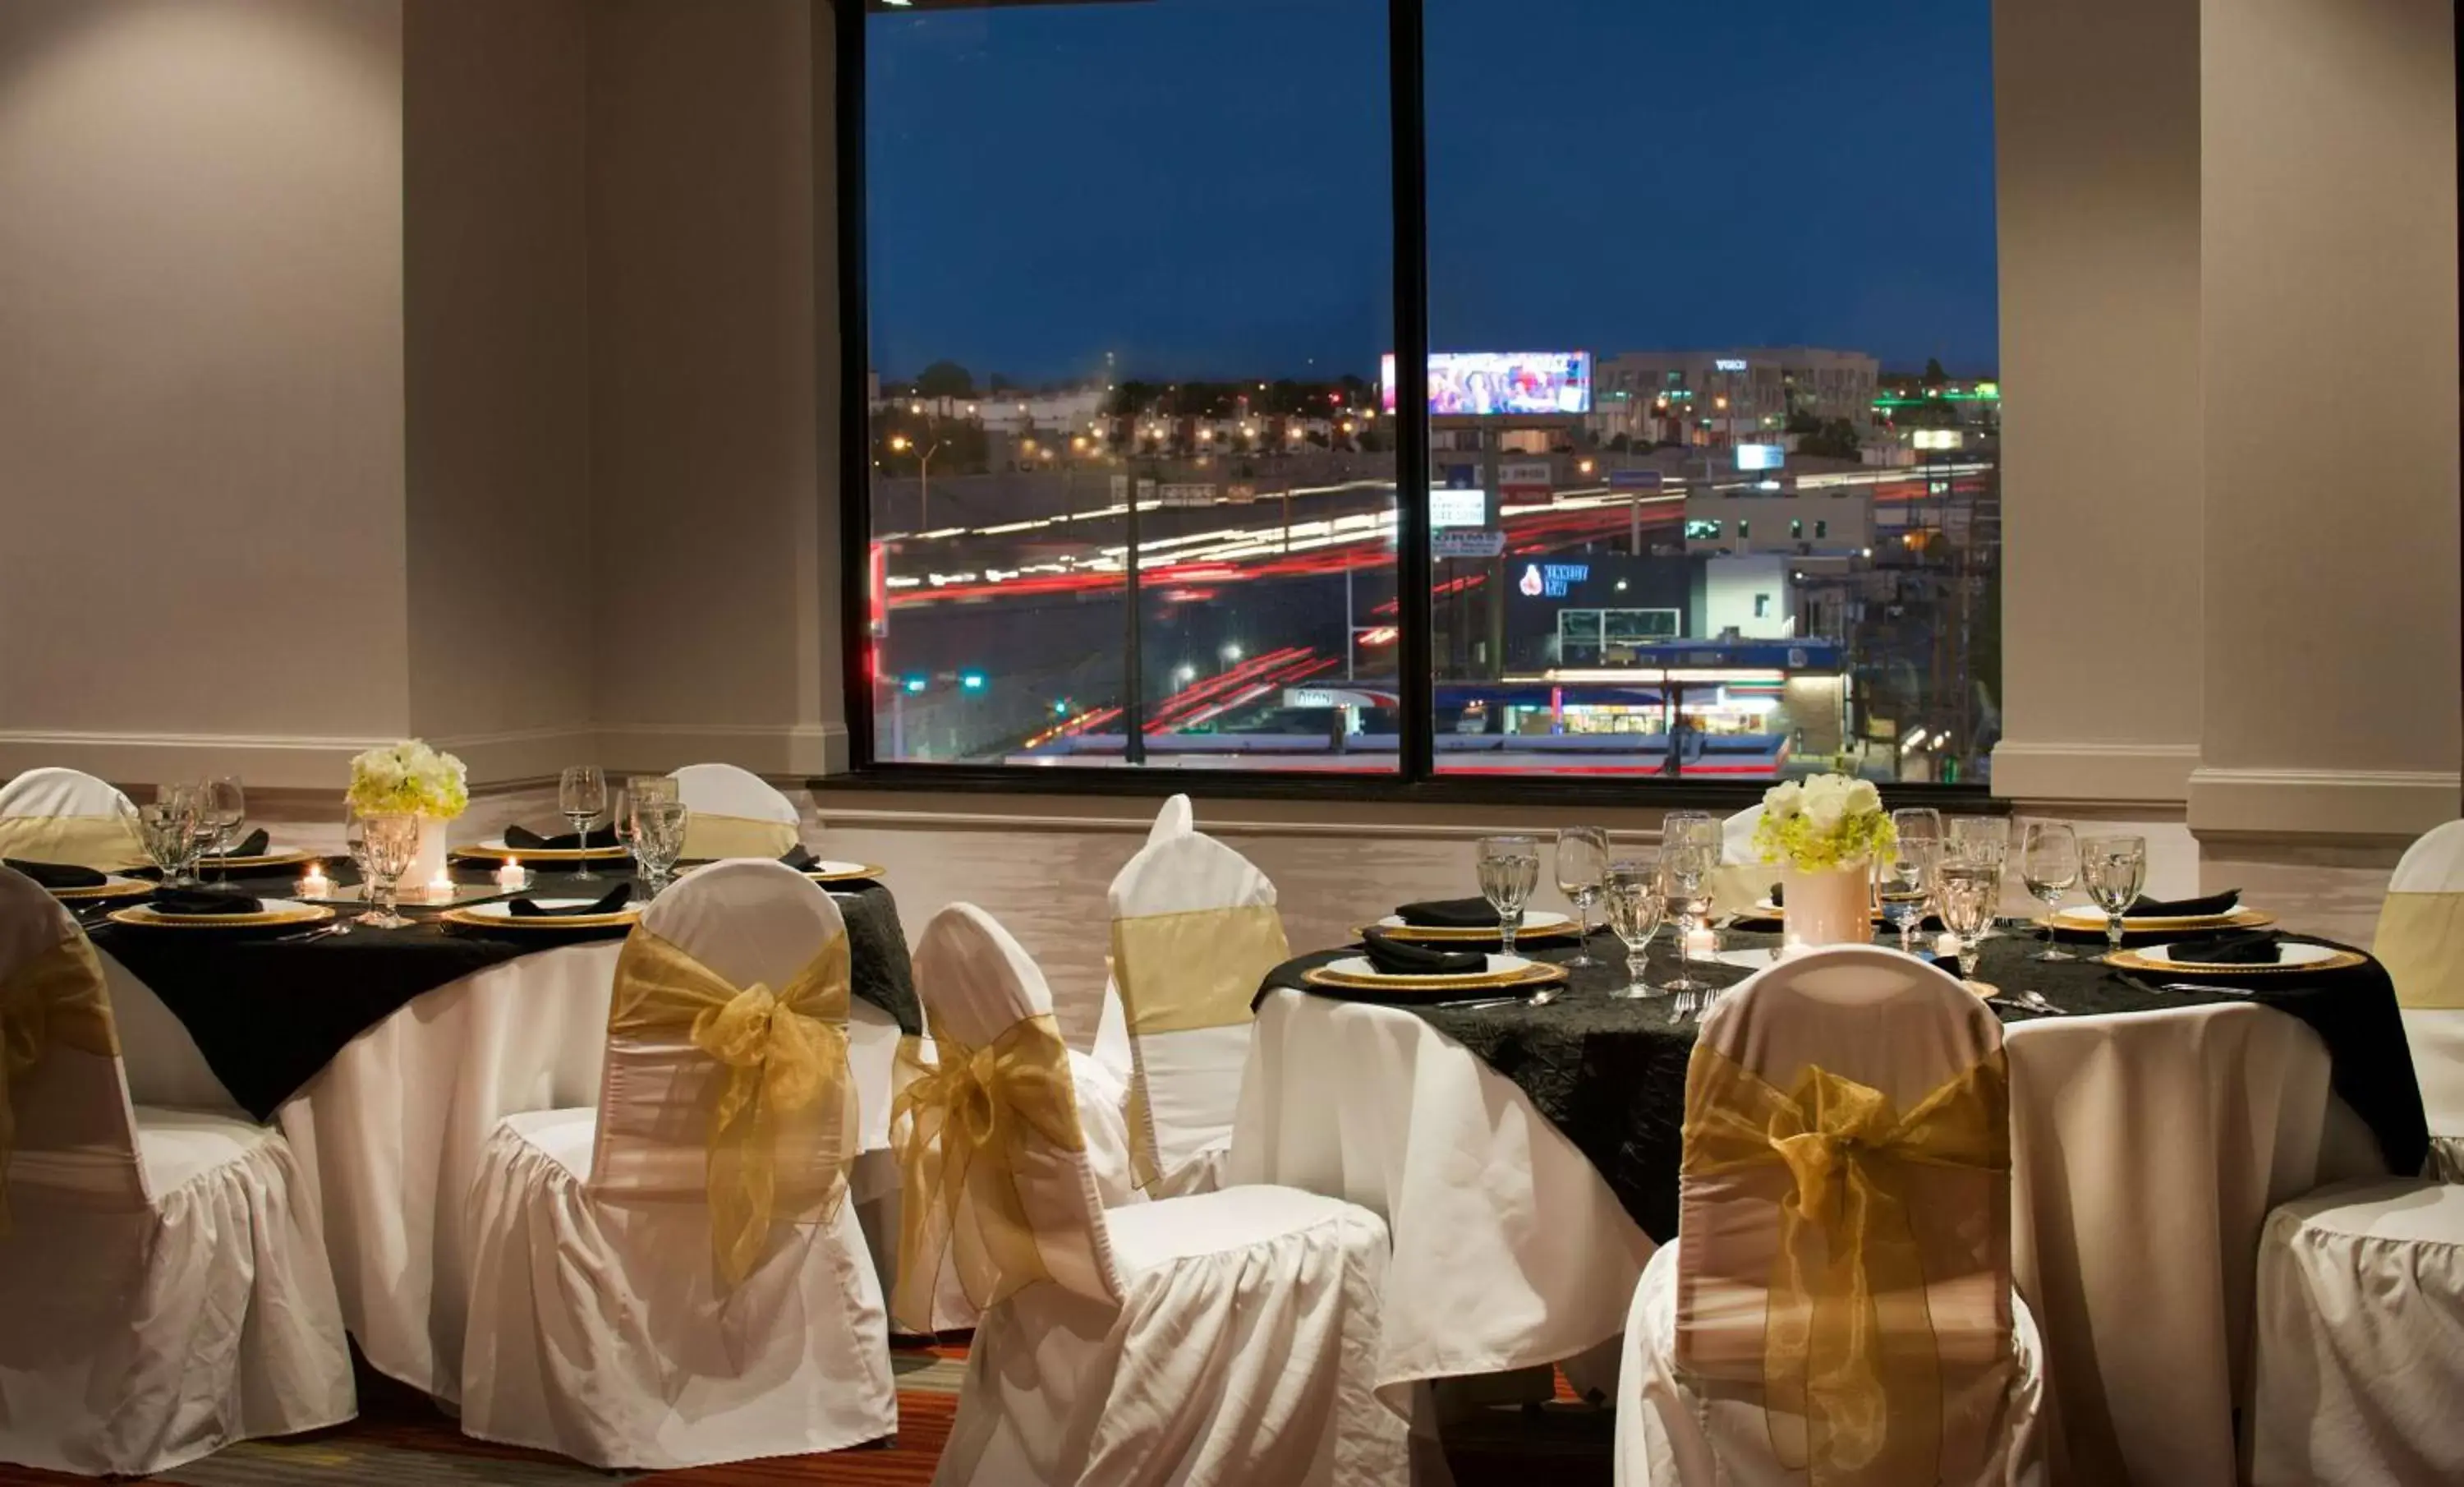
(1178, 972)
(710, 836)
(1869, 1393)
(105, 843)
(960, 1128)
(787, 1086)
(57, 998)
(2421, 943)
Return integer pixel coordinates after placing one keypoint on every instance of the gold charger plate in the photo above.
(1431, 934)
(626, 916)
(2132, 960)
(480, 853)
(207, 863)
(2238, 918)
(853, 872)
(112, 887)
(1538, 973)
(145, 915)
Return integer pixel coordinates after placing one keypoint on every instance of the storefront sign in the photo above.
(1466, 543)
(1550, 580)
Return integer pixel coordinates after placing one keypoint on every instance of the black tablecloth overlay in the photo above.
(1610, 1073)
(269, 1014)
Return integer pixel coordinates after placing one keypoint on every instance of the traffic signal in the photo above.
(915, 681)
(970, 681)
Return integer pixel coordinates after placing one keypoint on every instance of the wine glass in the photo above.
(1965, 888)
(1984, 841)
(1684, 878)
(1905, 879)
(1509, 869)
(1706, 831)
(392, 841)
(1582, 864)
(224, 806)
(659, 841)
(2049, 864)
(2113, 869)
(167, 828)
(1636, 906)
(581, 796)
(1917, 823)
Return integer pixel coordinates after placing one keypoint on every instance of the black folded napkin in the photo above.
(1401, 958)
(2234, 947)
(799, 857)
(1777, 902)
(57, 875)
(2224, 903)
(191, 901)
(1448, 914)
(608, 902)
(253, 845)
(523, 837)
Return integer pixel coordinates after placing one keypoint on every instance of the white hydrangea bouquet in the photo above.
(1826, 833)
(410, 779)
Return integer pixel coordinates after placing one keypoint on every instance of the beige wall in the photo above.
(705, 386)
(2328, 291)
(201, 384)
(496, 312)
(2097, 145)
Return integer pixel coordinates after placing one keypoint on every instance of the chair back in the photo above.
(1845, 1207)
(733, 813)
(999, 1186)
(726, 1077)
(66, 815)
(1177, 818)
(2420, 936)
(1195, 930)
(66, 1124)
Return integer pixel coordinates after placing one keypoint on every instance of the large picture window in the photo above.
(1704, 455)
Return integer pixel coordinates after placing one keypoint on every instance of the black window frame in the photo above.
(1414, 780)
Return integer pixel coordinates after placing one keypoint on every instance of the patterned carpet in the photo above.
(401, 1440)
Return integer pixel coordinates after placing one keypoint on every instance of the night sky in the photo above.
(1202, 186)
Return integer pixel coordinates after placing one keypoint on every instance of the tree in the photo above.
(1836, 439)
(1934, 375)
(945, 379)
(997, 383)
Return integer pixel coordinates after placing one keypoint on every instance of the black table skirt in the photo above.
(1610, 1072)
(269, 1015)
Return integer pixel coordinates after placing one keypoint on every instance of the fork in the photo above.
(2034, 1002)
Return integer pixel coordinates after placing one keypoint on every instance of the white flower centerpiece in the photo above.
(1826, 832)
(412, 779)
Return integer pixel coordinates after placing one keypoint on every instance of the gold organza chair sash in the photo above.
(54, 1000)
(962, 1126)
(786, 1088)
(710, 836)
(1180, 972)
(1869, 1395)
(2421, 943)
(105, 843)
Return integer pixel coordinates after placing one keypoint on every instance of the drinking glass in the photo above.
(167, 829)
(392, 841)
(1985, 842)
(1905, 879)
(1582, 866)
(581, 796)
(1685, 881)
(1965, 891)
(2113, 869)
(1698, 829)
(1636, 906)
(659, 841)
(2049, 864)
(355, 841)
(1509, 869)
(224, 806)
(1917, 823)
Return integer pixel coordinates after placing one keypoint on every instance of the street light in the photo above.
(1232, 653)
(900, 443)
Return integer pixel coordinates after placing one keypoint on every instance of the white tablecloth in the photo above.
(2148, 1149)
(389, 1136)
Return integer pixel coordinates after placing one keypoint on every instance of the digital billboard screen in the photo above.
(1495, 384)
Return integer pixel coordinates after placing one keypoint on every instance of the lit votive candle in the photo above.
(1793, 948)
(439, 889)
(511, 877)
(1702, 944)
(1946, 945)
(314, 883)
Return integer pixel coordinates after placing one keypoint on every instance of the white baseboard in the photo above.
(766, 749)
(2348, 803)
(2095, 771)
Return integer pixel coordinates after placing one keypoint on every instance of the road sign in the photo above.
(1634, 479)
(1525, 477)
(1197, 494)
(1450, 507)
(1466, 543)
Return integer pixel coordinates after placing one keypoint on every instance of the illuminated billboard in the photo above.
(1496, 383)
(1761, 456)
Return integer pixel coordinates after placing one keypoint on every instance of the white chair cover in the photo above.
(1193, 932)
(2359, 1375)
(733, 813)
(64, 815)
(2421, 941)
(161, 1295)
(1177, 818)
(1694, 1392)
(1101, 1027)
(1221, 1338)
(655, 1361)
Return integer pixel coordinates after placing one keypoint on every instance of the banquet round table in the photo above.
(386, 1058)
(1526, 1161)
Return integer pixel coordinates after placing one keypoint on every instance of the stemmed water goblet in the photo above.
(1965, 889)
(581, 796)
(659, 841)
(1685, 879)
(1905, 882)
(2049, 864)
(167, 828)
(224, 806)
(1636, 906)
(1509, 869)
(390, 842)
(1582, 869)
(1985, 842)
(2113, 869)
